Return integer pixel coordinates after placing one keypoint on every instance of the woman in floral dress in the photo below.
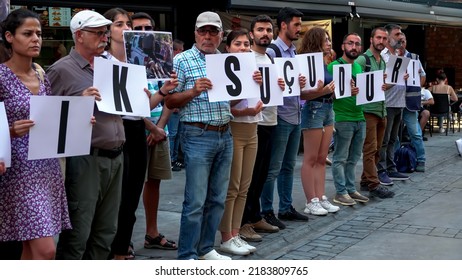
(33, 205)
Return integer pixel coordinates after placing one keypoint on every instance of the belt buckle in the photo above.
(222, 128)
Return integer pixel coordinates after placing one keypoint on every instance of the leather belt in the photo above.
(106, 153)
(220, 128)
(324, 100)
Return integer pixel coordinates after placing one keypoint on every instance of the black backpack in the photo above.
(405, 158)
(276, 49)
(367, 68)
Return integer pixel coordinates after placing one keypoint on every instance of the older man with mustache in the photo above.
(93, 182)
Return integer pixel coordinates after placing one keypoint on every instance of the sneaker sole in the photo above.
(266, 230)
(332, 211)
(251, 239)
(344, 203)
(386, 184)
(234, 253)
(318, 214)
(360, 200)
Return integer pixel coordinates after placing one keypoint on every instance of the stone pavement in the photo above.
(422, 222)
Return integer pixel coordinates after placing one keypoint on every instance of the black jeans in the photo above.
(135, 162)
(260, 172)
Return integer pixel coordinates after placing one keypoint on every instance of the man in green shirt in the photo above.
(350, 129)
(376, 118)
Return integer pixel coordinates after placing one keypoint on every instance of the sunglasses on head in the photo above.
(147, 28)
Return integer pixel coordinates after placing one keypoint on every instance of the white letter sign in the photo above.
(121, 86)
(231, 76)
(289, 71)
(370, 87)
(62, 126)
(312, 67)
(342, 80)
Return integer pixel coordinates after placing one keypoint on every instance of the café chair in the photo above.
(441, 108)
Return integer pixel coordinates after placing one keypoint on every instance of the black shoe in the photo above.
(292, 215)
(175, 166)
(382, 192)
(424, 138)
(271, 219)
(364, 187)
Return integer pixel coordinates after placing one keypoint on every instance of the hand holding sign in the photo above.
(396, 70)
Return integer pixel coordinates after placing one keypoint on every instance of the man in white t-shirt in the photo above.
(261, 33)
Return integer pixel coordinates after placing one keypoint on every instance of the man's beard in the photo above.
(352, 56)
(376, 47)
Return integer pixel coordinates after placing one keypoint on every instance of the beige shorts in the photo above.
(159, 165)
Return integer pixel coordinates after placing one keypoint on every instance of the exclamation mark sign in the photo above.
(63, 127)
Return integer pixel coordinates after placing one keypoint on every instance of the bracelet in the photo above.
(161, 93)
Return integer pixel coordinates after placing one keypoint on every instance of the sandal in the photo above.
(155, 243)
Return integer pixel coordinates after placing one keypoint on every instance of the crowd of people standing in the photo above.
(235, 153)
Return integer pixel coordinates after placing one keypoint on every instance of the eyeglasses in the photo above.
(99, 33)
(147, 28)
(203, 31)
(350, 43)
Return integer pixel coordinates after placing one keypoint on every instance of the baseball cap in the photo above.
(208, 18)
(88, 18)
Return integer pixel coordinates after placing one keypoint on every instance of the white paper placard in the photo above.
(231, 76)
(121, 86)
(62, 126)
(370, 87)
(342, 80)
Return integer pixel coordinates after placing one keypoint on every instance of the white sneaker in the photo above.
(315, 208)
(246, 245)
(328, 206)
(213, 255)
(233, 246)
(442, 130)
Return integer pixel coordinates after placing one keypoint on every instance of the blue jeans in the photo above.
(286, 141)
(415, 133)
(174, 126)
(208, 156)
(348, 140)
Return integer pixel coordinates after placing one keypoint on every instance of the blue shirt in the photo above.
(190, 66)
(290, 111)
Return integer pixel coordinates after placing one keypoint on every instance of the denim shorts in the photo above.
(316, 114)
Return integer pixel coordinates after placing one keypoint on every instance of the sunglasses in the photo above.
(203, 31)
(99, 33)
(147, 28)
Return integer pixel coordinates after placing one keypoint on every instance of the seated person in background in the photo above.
(442, 87)
(424, 114)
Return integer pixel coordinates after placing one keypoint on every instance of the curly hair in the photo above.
(313, 40)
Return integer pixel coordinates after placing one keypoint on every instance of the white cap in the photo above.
(88, 18)
(208, 18)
